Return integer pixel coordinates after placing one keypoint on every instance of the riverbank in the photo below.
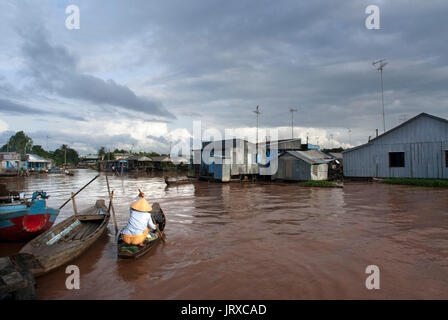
(434, 183)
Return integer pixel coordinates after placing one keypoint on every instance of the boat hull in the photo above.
(67, 240)
(22, 223)
(159, 218)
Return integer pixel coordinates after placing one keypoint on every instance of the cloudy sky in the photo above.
(138, 73)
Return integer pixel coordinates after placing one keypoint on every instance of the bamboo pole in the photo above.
(111, 195)
(75, 209)
(63, 205)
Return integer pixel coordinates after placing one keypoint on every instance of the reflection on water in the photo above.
(267, 241)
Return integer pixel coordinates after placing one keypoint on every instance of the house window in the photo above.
(446, 158)
(396, 159)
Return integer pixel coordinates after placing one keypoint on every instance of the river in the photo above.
(259, 241)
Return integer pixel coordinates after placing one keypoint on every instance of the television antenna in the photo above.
(379, 65)
(292, 121)
(257, 112)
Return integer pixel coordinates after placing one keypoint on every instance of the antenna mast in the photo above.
(257, 112)
(381, 64)
(292, 121)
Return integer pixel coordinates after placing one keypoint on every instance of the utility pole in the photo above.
(257, 112)
(382, 63)
(292, 121)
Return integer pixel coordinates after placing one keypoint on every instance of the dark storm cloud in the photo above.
(9, 107)
(223, 59)
(54, 69)
(217, 60)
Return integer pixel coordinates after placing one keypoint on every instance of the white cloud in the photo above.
(3, 126)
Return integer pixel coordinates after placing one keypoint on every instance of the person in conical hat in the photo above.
(140, 221)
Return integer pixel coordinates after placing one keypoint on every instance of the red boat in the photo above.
(23, 219)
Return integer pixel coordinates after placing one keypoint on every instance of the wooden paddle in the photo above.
(162, 236)
(73, 195)
(111, 195)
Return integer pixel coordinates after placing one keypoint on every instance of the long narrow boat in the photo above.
(23, 219)
(173, 181)
(68, 239)
(126, 251)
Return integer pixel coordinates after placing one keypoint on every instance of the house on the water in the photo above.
(139, 163)
(226, 159)
(36, 163)
(302, 166)
(417, 148)
(90, 161)
(10, 161)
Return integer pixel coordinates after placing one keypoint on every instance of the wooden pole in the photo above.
(111, 195)
(63, 205)
(75, 209)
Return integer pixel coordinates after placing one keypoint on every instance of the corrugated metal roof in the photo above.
(36, 158)
(311, 156)
(336, 155)
(161, 159)
(139, 158)
(423, 114)
(228, 143)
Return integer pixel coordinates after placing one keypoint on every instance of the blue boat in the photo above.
(23, 219)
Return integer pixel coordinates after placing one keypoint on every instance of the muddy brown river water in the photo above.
(259, 241)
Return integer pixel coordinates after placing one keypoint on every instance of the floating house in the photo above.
(36, 163)
(139, 163)
(226, 159)
(417, 148)
(122, 156)
(302, 166)
(90, 161)
(281, 146)
(160, 162)
(10, 161)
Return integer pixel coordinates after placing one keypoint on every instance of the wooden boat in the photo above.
(126, 251)
(69, 173)
(55, 170)
(23, 219)
(68, 239)
(172, 181)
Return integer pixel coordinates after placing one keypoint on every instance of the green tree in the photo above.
(102, 151)
(41, 152)
(19, 142)
(64, 152)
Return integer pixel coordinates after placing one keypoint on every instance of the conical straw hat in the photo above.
(141, 205)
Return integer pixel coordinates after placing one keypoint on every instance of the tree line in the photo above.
(23, 144)
(109, 155)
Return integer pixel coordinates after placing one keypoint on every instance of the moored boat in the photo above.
(172, 181)
(22, 219)
(68, 239)
(69, 173)
(127, 251)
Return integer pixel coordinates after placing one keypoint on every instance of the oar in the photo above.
(77, 192)
(111, 195)
(162, 236)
